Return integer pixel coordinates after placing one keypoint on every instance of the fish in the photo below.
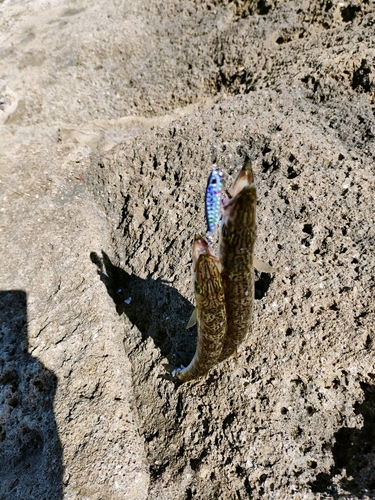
(237, 238)
(209, 312)
(213, 202)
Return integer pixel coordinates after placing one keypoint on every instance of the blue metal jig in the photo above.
(213, 201)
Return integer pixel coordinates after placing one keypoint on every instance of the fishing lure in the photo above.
(237, 238)
(213, 202)
(209, 312)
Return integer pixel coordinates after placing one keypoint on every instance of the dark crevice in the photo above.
(349, 12)
(361, 77)
(157, 470)
(228, 420)
(262, 285)
(354, 451)
(270, 165)
(196, 462)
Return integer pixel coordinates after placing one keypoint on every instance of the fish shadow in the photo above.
(30, 449)
(157, 309)
(354, 451)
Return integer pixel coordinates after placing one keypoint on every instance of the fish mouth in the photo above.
(245, 178)
(200, 247)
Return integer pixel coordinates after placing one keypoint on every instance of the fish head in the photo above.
(202, 249)
(244, 178)
(239, 222)
(207, 278)
(240, 210)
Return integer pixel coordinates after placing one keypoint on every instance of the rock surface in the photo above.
(109, 116)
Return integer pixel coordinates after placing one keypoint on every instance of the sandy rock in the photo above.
(109, 117)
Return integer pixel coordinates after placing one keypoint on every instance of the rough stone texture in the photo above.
(109, 116)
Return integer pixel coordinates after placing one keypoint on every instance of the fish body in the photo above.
(213, 201)
(237, 238)
(210, 310)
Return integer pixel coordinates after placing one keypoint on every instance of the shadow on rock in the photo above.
(158, 310)
(354, 451)
(30, 449)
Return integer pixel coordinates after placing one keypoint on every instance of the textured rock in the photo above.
(96, 279)
(268, 420)
(72, 340)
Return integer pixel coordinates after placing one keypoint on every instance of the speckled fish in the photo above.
(213, 201)
(237, 238)
(209, 311)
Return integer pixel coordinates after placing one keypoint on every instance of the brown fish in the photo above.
(210, 312)
(237, 238)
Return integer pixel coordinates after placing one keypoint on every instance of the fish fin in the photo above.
(261, 266)
(169, 373)
(193, 318)
(177, 370)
